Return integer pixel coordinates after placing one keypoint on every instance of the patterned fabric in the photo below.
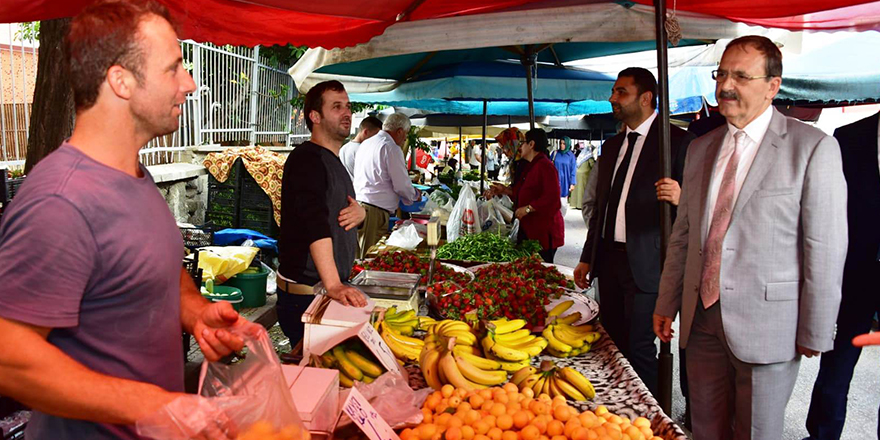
(710, 280)
(617, 385)
(266, 167)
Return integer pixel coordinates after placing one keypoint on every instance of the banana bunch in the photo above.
(553, 381)
(507, 341)
(458, 365)
(405, 348)
(352, 366)
(567, 340)
(406, 322)
(441, 332)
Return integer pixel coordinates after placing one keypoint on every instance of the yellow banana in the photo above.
(368, 367)
(430, 369)
(368, 379)
(501, 326)
(532, 348)
(546, 387)
(522, 374)
(554, 343)
(583, 328)
(426, 322)
(346, 365)
(448, 325)
(569, 390)
(477, 361)
(328, 361)
(461, 337)
(345, 380)
(391, 312)
(567, 337)
(402, 352)
(578, 380)
(529, 381)
(571, 318)
(478, 375)
(560, 308)
(453, 375)
(405, 316)
(502, 351)
(514, 335)
(554, 388)
(538, 387)
(558, 354)
(402, 339)
(512, 367)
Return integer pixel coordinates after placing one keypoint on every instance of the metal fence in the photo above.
(241, 99)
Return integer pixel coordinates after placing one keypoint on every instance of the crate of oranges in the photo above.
(506, 413)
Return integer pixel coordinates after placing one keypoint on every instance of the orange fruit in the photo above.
(481, 437)
(407, 434)
(467, 433)
(540, 423)
(555, 427)
(432, 401)
(510, 387)
(476, 401)
(471, 417)
(634, 433)
(497, 409)
(509, 435)
(615, 419)
(447, 390)
(502, 398)
(530, 433)
(559, 437)
(494, 434)
(580, 433)
(453, 433)
(520, 419)
(427, 431)
(486, 394)
(490, 420)
(562, 413)
(571, 425)
(588, 419)
(455, 421)
(642, 422)
(528, 392)
(481, 427)
(601, 410)
(442, 419)
(504, 421)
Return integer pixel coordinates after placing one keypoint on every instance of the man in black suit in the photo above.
(861, 168)
(623, 239)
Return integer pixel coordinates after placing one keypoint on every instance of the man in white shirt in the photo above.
(755, 260)
(381, 181)
(368, 128)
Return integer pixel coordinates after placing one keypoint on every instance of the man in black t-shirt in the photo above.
(319, 213)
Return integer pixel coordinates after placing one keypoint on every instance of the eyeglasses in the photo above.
(738, 77)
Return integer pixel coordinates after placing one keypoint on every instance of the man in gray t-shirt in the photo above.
(94, 298)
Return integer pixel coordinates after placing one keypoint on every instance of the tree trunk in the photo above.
(53, 110)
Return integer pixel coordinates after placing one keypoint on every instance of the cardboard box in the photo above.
(315, 393)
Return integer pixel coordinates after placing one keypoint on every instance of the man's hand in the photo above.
(663, 327)
(867, 339)
(806, 351)
(347, 295)
(668, 190)
(582, 275)
(212, 326)
(352, 215)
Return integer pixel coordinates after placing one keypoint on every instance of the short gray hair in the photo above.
(395, 121)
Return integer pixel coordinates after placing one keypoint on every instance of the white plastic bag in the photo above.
(504, 212)
(506, 202)
(406, 237)
(391, 396)
(464, 217)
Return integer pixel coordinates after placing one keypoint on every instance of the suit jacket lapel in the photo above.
(709, 160)
(764, 160)
(649, 157)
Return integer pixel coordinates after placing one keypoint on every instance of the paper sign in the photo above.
(366, 418)
(379, 348)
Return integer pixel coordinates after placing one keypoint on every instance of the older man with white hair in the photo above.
(381, 180)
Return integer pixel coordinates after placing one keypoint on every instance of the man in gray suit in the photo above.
(755, 260)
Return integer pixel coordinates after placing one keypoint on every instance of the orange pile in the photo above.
(505, 413)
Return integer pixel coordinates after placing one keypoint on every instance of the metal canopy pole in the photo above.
(483, 155)
(665, 358)
(460, 149)
(528, 61)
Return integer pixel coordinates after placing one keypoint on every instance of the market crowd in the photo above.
(773, 242)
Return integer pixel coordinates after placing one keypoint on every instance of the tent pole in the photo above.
(528, 61)
(665, 358)
(460, 149)
(483, 154)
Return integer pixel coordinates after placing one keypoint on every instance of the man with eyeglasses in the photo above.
(756, 255)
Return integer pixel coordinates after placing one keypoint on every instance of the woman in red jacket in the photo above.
(535, 196)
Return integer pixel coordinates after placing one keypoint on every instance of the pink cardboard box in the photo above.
(315, 393)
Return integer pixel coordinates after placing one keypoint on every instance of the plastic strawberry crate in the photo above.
(223, 199)
(234, 178)
(221, 220)
(258, 219)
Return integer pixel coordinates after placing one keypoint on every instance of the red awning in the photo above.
(346, 23)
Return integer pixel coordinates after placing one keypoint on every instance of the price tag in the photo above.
(366, 418)
(378, 347)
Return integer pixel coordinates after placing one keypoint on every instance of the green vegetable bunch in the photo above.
(487, 246)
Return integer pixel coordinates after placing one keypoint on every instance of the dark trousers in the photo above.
(627, 314)
(548, 255)
(858, 305)
(290, 309)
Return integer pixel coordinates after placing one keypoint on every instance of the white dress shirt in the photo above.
(347, 154)
(380, 176)
(755, 132)
(642, 130)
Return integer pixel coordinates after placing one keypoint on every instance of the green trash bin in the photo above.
(252, 286)
(229, 294)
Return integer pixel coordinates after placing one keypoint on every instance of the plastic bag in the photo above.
(406, 237)
(506, 202)
(463, 219)
(493, 220)
(250, 394)
(514, 232)
(391, 396)
(504, 212)
(222, 263)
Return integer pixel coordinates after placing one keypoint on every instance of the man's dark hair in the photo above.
(644, 80)
(772, 54)
(103, 35)
(542, 145)
(315, 98)
(371, 123)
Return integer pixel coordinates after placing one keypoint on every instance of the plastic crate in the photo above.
(234, 178)
(197, 237)
(223, 199)
(260, 220)
(12, 187)
(221, 220)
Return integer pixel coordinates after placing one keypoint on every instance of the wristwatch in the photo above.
(528, 209)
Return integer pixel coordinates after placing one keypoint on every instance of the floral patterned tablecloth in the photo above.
(266, 167)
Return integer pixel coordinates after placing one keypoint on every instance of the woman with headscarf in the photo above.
(566, 167)
(535, 195)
